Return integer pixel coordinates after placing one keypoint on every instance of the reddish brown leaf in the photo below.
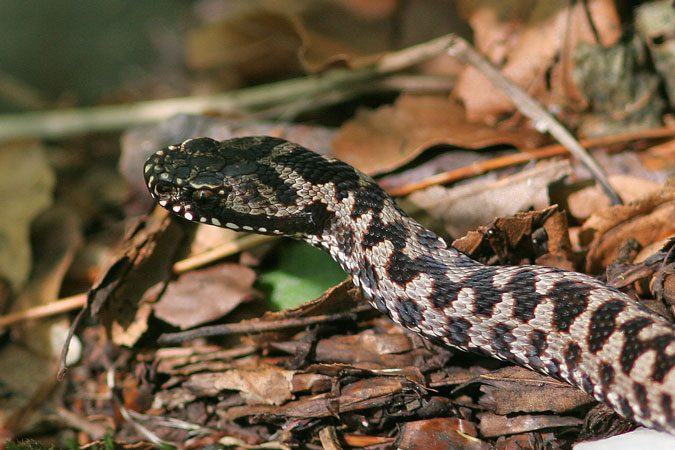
(205, 295)
(386, 138)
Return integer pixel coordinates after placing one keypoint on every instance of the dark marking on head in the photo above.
(571, 300)
(603, 324)
(313, 167)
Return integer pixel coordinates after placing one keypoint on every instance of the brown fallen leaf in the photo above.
(265, 385)
(454, 209)
(378, 350)
(123, 294)
(386, 138)
(515, 389)
(26, 185)
(253, 45)
(647, 219)
(515, 239)
(583, 203)
(526, 39)
(440, 434)
(492, 425)
(205, 295)
(57, 234)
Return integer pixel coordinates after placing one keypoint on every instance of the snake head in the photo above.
(248, 184)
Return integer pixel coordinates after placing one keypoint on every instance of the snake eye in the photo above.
(204, 197)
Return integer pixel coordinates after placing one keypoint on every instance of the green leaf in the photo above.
(302, 273)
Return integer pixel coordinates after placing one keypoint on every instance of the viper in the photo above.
(560, 323)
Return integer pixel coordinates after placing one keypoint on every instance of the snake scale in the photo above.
(560, 323)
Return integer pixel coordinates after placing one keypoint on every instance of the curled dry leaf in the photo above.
(383, 139)
(123, 294)
(583, 203)
(647, 219)
(513, 239)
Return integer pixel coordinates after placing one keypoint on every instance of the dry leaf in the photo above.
(258, 44)
(123, 294)
(492, 425)
(266, 385)
(583, 203)
(526, 38)
(26, 185)
(440, 434)
(386, 138)
(515, 389)
(647, 219)
(205, 295)
(454, 209)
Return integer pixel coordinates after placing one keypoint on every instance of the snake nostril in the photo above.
(163, 188)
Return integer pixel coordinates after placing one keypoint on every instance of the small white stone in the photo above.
(216, 222)
(232, 226)
(262, 230)
(188, 216)
(162, 202)
(247, 228)
(202, 219)
(176, 208)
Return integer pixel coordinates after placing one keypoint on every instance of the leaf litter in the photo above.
(189, 354)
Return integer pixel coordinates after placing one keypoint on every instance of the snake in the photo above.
(560, 323)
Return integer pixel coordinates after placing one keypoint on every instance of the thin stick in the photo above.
(257, 326)
(74, 121)
(523, 157)
(220, 252)
(79, 300)
(60, 306)
(461, 49)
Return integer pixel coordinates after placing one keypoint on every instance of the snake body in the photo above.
(560, 323)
